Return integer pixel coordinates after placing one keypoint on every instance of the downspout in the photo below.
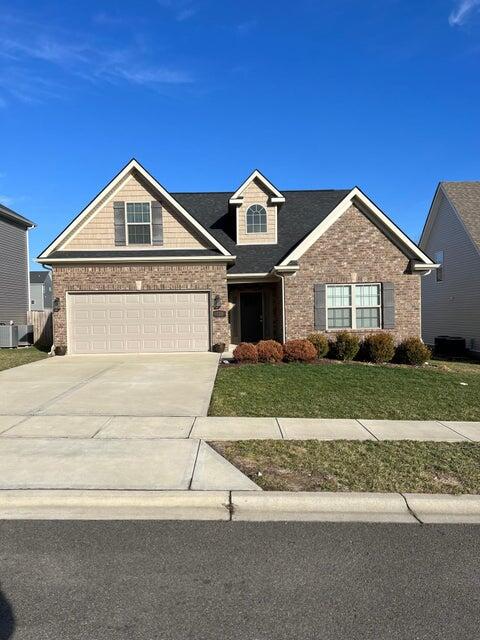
(284, 315)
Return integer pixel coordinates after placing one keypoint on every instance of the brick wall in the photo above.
(352, 250)
(153, 277)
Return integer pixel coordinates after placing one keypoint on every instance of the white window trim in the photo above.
(353, 306)
(256, 233)
(136, 244)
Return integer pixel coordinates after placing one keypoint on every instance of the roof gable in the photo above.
(9, 214)
(108, 193)
(276, 196)
(387, 226)
(465, 197)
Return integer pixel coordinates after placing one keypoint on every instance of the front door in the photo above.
(251, 316)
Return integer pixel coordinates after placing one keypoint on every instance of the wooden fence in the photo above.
(42, 328)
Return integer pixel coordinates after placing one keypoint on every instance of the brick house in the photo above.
(144, 270)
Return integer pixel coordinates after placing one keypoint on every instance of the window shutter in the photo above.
(320, 307)
(119, 221)
(157, 223)
(388, 294)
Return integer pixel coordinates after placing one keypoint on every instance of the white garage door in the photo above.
(138, 322)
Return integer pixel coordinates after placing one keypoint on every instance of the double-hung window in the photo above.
(354, 306)
(139, 229)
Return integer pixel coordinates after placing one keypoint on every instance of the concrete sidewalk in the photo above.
(232, 428)
(116, 464)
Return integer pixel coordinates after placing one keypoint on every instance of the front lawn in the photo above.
(14, 357)
(309, 465)
(440, 391)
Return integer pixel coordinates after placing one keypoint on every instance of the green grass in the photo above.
(411, 467)
(349, 391)
(15, 357)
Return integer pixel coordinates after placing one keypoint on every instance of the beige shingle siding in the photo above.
(14, 272)
(99, 233)
(452, 307)
(255, 194)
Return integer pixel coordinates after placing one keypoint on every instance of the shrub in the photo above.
(412, 351)
(246, 352)
(218, 347)
(378, 347)
(299, 351)
(269, 351)
(345, 346)
(320, 343)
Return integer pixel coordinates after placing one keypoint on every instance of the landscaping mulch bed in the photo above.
(400, 466)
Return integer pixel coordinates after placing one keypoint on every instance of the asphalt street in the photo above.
(243, 581)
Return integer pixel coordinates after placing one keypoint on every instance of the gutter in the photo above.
(132, 259)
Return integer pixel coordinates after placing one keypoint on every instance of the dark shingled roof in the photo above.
(39, 277)
(7, 213)
(301, 213)
(465, 197)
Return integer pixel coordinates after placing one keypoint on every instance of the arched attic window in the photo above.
(256, 219)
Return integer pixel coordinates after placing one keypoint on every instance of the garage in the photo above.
(153, 322)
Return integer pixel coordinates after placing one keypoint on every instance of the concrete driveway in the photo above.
(132, 385)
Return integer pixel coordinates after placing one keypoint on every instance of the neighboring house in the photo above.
(144, 270)
(40, 290)
(451, 296)
(14, 269)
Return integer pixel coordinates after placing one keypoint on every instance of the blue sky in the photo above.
(384, 94)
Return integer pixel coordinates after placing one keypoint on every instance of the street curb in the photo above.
(321, 506)
(239, 506)
(447, 509)
(114, 505)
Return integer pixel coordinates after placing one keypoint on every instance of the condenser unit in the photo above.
(8, 335)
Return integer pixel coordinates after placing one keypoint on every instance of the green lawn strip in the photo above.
(346, 391)
(342, 465)
(15, 357)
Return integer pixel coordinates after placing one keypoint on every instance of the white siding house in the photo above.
(451, 236)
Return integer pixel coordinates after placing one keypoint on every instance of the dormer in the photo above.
(256, 204)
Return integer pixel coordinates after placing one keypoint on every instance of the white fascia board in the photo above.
(355, 195)
(425, 267)
(231, 276)
(133, 164)
(256, 175)
(285, 269)
(180, 259)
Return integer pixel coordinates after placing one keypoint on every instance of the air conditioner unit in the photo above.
(8, 335)
(25, 335)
